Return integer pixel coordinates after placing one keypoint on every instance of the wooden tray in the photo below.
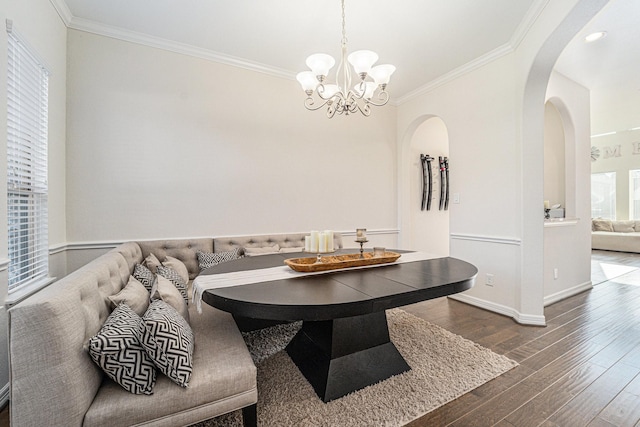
(336, 262)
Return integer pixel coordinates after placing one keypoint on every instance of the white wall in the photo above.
(38, 23)
(567, 248)
(480, 112)
(167, 145)
(495, 118)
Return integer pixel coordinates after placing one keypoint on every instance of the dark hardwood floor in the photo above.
(582, 369)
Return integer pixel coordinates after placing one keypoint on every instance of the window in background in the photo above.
(634, 194)
(27, 189)
(603, 195)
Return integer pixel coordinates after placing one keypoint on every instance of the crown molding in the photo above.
(527, 22)
(63, 10)
(458, 72)
(93, 27)
(523, 29)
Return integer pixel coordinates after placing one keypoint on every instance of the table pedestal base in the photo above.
(343, 355)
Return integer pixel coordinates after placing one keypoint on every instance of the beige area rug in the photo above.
(444, 366)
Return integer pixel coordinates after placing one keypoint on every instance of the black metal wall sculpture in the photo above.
(427, 181)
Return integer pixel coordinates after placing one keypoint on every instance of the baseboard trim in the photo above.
(566, 293)
(522, 318)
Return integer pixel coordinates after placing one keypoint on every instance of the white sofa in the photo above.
(55, 382)
(620, 236)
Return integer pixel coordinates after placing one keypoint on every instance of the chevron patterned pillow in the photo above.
(144, 276)
(117, 349)
(174, 277)
(209, 259)
(169, 341)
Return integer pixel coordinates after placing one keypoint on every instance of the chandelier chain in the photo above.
(344, 27)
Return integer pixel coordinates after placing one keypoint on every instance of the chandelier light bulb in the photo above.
(307, 80)
(381, 74)
(320, 64)
(362, 61)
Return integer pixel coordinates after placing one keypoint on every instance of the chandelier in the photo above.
(340, 97)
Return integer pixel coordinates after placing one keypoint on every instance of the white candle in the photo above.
(546, 204)
(360, 234)
(307, 243)
(314, 241)
(329, 234)
(322, 242)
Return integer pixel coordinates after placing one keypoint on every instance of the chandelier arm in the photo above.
(383, 96)
(309, 103)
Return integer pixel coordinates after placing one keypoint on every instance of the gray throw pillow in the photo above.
(144, 276)
(602, 225)
(178, 266)
(152, 262)
(169, 342)
(174, 277)
(118, 350)
(135, 295)
(166, 291)
(209, 259)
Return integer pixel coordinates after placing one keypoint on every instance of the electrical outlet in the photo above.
(489, 281)
(555, 274)
(456, 197)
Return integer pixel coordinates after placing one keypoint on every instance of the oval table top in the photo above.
(337, 293)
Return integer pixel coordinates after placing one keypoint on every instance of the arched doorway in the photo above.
(531, 298)
(422, 229)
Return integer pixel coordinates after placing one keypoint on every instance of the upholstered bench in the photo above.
(55, 382)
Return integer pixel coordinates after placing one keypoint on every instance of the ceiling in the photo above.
(611, 62)
(427, 40)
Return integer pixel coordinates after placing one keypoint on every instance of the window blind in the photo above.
(27, 187)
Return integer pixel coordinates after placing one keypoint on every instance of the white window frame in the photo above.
(27, 171)
(634, 194)
(611, 196)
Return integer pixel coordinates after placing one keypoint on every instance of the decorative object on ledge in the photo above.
(546, 209)
(361, 237)
(339, 97)
(335, 262)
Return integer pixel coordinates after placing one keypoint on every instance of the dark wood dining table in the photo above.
(343, 344)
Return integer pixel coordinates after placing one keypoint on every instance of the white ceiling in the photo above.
(612, 62)
(427, 40)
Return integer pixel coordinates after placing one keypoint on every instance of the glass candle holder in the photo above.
(361, 234)
(378, 251)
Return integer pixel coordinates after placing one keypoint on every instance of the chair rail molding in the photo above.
(488, 239)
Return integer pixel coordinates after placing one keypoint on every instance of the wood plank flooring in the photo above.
(582, 369)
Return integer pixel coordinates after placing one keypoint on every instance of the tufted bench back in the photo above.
(183, 249)
(285, 240)
(50, 330)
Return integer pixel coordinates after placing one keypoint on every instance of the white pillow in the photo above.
(178, 266)
(262, 251)
(165, 290)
